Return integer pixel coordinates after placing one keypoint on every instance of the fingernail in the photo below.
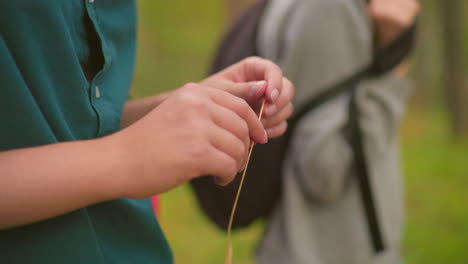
(266, 137)
(274, 95)
(271, 109)
(256, 88)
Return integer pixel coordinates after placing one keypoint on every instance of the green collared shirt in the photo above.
(65, 71)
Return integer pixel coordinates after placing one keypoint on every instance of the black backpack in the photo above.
(262, 186)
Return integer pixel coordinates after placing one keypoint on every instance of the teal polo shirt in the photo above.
(65, 70)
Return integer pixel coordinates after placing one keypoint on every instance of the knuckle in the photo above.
(242, 107)
(239, 150)
(278, 68)
(194, 102)
(287, 82)
(257, 59)
(253, 59)
(274, 66)
(227, 174)
(289, 110)
(278, 130)
(186, 96)
(243, 129)
(221, 182)
(197, 149)
(290, 89)
(196, 126)
(377, 12)
(190, 86)
(231, 169)
(283, 127)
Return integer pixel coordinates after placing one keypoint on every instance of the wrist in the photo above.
(121, 166)
(136, 109)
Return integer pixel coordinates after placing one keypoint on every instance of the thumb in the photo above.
(249, 91)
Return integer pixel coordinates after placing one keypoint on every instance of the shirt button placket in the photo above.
(97, 92)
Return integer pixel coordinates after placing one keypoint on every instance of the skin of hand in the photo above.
(391, 18)
(279, 90)
(253, 72)
(198, 130)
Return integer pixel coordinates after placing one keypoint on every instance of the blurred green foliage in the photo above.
(176, 41)
(436, 171)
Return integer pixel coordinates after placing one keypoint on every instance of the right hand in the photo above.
(392, 17)
(197, 131)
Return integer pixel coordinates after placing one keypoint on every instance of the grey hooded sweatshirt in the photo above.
(320, 218)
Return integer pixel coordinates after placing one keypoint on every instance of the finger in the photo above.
(250, 91)
(258, 69)
(286, 95)
(278, 130)
(230, 121)
(278, 118)
(230, 144)
(242, 109)
(221, 165)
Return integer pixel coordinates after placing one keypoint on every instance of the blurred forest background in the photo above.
(176, 43)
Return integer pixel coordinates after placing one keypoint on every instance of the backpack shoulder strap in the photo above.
(356, 141)
(384, 61)
(391, 56)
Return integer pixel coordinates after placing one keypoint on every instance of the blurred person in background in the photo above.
(319, 218)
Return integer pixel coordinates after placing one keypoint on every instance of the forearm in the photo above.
(42, 182)
(134, 110)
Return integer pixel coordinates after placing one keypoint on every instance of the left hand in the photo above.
(392, 17)
(253, 79)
